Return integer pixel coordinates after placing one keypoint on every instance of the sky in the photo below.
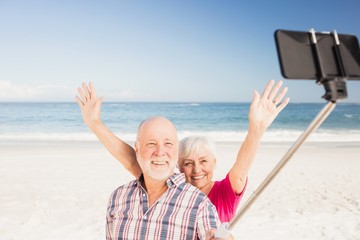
(187, 51)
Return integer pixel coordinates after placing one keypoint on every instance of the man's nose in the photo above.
(160, 150)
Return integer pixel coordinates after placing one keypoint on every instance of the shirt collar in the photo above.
(175, 179)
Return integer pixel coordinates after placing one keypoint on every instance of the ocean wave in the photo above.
(217, 136)
(188, 104)
(48, 137)
(283, 136)
(115, 104)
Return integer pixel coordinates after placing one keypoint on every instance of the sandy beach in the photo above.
(59, 190)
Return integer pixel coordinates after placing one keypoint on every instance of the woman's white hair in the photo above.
(192, 144)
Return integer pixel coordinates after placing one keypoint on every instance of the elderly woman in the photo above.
(196, 154)
(197, 160)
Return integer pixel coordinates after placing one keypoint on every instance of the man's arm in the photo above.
(209, 223)
(207, 219)
(90, 107)
(263, 110)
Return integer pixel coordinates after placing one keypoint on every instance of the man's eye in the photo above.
(169, 143)
(188, 163)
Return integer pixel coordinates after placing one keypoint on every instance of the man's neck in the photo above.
(154, 188)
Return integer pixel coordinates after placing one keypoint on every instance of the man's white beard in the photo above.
(147, 168)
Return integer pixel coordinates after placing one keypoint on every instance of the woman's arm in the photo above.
(90, 107)
(263, 110)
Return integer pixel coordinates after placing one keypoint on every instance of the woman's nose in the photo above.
(196, 168)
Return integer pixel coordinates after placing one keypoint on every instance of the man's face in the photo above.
(157, 148)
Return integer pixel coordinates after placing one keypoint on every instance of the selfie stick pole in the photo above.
(320, 118)
(335, 89)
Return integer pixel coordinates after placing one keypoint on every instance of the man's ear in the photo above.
(136, 148)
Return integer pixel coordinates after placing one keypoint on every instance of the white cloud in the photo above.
(22, 92)
(126, 95)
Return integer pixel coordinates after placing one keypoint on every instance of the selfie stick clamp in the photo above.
(335, 89)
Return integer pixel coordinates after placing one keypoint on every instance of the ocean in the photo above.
(219, 121)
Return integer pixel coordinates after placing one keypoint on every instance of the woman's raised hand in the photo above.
(265, 108)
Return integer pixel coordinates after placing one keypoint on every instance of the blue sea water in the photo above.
(220, 121)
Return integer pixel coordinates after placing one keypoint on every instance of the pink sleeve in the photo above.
(225, 200)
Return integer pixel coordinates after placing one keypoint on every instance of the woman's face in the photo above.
(198, 168)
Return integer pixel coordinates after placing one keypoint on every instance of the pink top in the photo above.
(224, 199)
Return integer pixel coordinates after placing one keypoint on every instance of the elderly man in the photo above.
(160, 204)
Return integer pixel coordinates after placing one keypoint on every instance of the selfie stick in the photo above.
(335, 89)
(320, 118)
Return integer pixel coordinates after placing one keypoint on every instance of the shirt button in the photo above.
(143, 194)
(145, 217)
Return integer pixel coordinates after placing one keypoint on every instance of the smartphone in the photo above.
(299, 58)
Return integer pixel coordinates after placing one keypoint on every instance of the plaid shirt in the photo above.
(182, 212)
